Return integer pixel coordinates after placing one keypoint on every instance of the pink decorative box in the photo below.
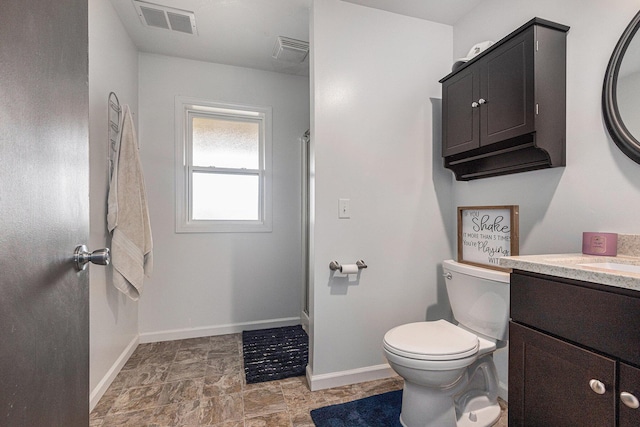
(599, 243)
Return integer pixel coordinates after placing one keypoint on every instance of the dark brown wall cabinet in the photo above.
(504, 111)
(574, 353)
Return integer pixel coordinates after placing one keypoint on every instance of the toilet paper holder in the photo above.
(336, 266)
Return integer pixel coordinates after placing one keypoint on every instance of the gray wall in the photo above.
(212, 283)
(113, 66)
(375, 142)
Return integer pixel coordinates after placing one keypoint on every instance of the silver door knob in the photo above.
(474, 104)
(82, 256)
(482, 101)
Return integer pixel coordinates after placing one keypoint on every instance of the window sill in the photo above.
(224, 227)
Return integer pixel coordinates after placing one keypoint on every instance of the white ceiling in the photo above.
(442, 11)
(243, 32)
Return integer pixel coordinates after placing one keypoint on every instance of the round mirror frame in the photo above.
(618, 131)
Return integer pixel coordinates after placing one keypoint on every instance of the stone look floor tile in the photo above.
(145, 375)
(301, 418)
(132, 363)
(226, 346)
(166, 346)
(119, 381)
(221, 409)
(137, 398)
(200, 382)
(378, 387)
(221, 364)
(105, 404)
(159, 358)
(177, 414)
(262, 401)
(230, 424)
(215, 385)
(278, 419)
(191, 355)
(183, 371)
(336, 395)
(181, 391)
(133, 418)
(203, 342)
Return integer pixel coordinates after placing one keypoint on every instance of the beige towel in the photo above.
(128, 215)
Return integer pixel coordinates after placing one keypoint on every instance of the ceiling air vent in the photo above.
(290, 50)
(168, 18)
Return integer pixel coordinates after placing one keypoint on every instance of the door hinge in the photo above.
(537, 46)
(537, 109)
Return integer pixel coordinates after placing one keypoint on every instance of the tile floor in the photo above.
(200, 382)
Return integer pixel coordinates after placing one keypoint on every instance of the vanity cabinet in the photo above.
(504, 111)
(574, 353)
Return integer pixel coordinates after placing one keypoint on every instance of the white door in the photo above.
(44, 213)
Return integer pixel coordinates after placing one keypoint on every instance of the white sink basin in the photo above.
(628, 268)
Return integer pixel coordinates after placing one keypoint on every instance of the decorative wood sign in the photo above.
(487, 233)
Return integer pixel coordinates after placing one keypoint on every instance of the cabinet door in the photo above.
(549, 382)
(460, 121)
(507, 86)
(629, 383)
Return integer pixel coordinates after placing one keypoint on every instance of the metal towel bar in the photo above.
(114, 113)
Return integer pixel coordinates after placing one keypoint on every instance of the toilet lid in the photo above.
(439, 340)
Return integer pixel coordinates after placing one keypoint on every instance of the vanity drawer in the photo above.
(592, 315)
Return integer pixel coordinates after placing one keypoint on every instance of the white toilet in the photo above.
(450, 379)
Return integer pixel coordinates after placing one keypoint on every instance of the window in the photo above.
(223, 167)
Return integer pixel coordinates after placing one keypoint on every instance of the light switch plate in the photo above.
(344, 211)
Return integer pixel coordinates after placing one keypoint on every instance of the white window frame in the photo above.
(185, 108)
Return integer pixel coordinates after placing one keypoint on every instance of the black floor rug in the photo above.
(274, 354)
(382, 410)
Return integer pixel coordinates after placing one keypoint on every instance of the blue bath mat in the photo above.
(382, 410)
(274, 354)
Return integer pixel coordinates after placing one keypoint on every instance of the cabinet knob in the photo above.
(597, 386)
(482, 101)
(629, 400)
(474, 104)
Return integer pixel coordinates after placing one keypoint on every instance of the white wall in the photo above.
(208, 283)
(599, 189)
(113, 66)
(372, 76)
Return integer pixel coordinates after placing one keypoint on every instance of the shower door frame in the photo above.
(306, 182)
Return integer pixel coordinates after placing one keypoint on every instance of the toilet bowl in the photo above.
(450, 377)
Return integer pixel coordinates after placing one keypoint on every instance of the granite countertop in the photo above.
(568, 266)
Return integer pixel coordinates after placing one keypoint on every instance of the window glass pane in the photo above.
(225, 197)
(225, 143)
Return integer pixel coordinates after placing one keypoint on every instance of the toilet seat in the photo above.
(439, 340)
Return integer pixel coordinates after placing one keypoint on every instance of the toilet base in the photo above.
(487, 416)
(472, 401)
(426, 407)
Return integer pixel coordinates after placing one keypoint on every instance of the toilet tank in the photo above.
(479, 298)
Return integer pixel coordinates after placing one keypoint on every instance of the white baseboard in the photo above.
(370, 373)
(304, 319)
(206, 331)
(353, 376)
(111, 374)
